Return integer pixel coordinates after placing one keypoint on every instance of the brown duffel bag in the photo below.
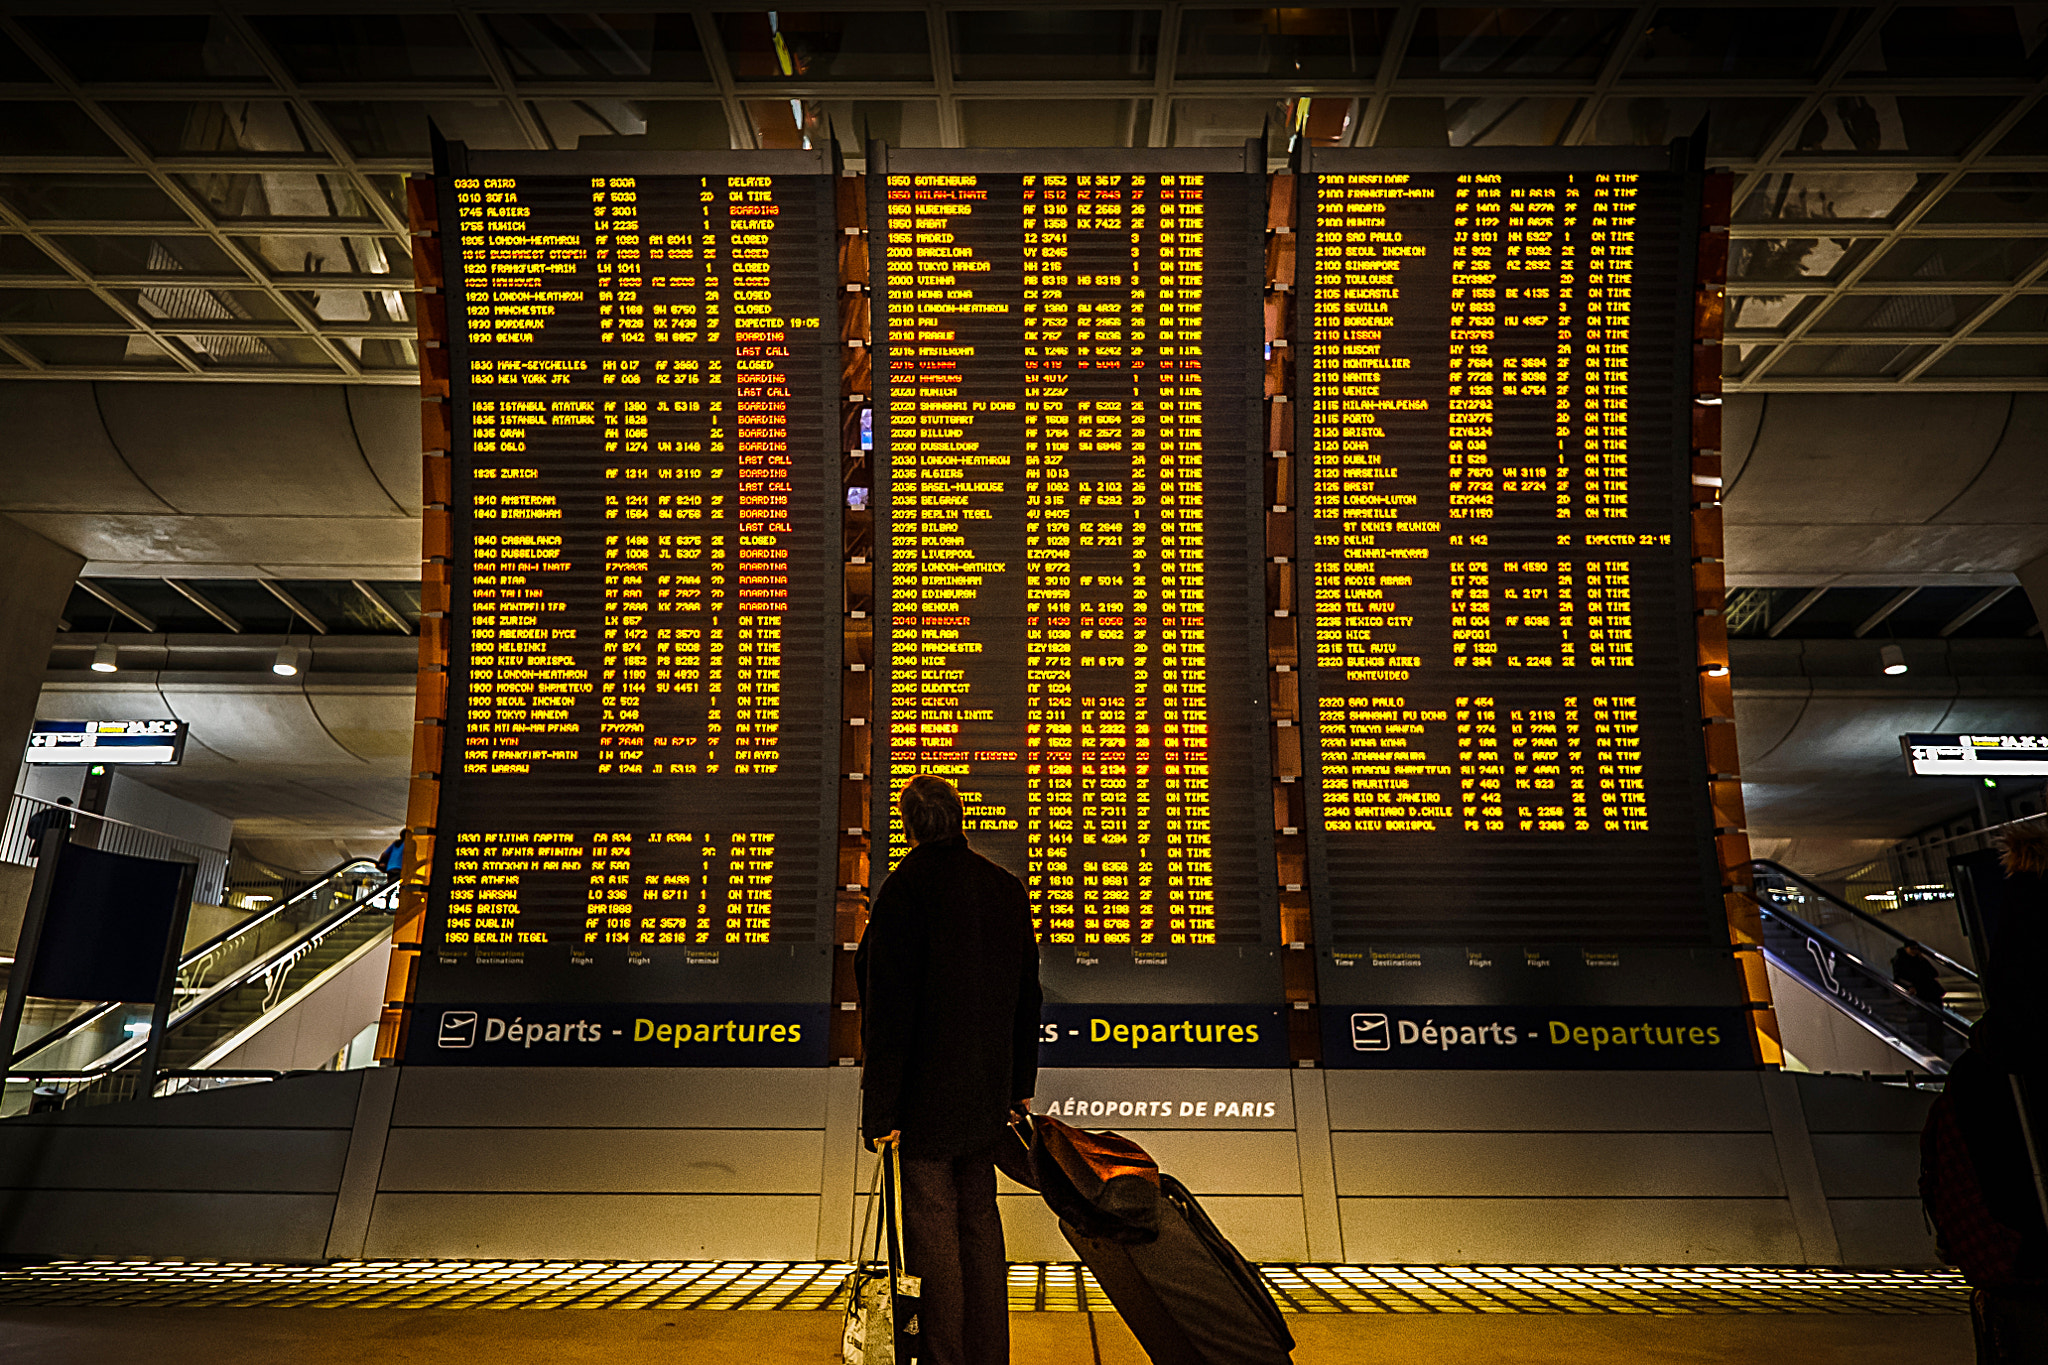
(1102, 1184)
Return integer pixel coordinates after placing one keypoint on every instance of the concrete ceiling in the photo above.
(1884, 489)
(252, 481)
(307, 767)
(1818, 726)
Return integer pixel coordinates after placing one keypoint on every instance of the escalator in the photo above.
(249, 975)
(1842, 956)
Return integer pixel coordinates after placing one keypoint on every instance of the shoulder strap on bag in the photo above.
(860, 1242)
(891, 1173)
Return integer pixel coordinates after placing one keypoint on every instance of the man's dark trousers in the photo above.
(954, 1240)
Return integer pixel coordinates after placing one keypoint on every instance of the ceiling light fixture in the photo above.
(287, 662)
(1894, 660)
(106, 657)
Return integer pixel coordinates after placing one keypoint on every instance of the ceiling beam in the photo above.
(107, 597)
(1375, 112)
(173, 188)
(1618, 58)
(738, 127)
(298, 608)
(1166, 65)
(939, 37)
(1990, 138)
(493, 55)
(199, 600)
(1877, 618)
(1813, 595)
(383, 608)
(1974, 610)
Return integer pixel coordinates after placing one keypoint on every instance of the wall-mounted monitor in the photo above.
(1976, 755)
(75, 743)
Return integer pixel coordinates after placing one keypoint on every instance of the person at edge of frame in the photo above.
(948, 978)
(2010, 1310)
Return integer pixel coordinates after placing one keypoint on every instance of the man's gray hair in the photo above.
(931, 809)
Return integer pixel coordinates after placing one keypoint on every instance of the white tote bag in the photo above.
(876, 1288)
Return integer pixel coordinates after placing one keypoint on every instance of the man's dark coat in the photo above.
(948, 975)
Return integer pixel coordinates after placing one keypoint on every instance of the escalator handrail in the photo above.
(255, 921)
(126, 1052)
(130, 1050)
(193, 958)
(1958, 1022)
(1865, 916)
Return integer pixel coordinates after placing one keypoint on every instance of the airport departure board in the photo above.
(1068, 483)
(1498, 657)
(636, 844)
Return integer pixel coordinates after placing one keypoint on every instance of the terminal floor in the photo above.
(384, 1336)
(393, 1312)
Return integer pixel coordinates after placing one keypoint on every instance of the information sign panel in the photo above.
(635, 846)
(1991, 756)
(1068, 483)
(1507, 786)
(98, 743)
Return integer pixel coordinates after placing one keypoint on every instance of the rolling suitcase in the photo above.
(1177, 1282)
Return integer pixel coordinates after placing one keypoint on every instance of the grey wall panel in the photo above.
(1719, 1165)
(1847, 1104)
(2009, 488)
(1865, 459)
(145, 545)
(1570, 1231)
(387, 427)
(606, 1160)
(656, 1227)
(1742, 417)
(1868, 1165)
(375, 726)
(58, 456)
(1134, 1097)
(1030, 1231)
(300, 1161)
(218, 1227)
(281, 450)
(1882, 1232)
(323, 1101)
(1227, 1162)
(1263, 1229)
(622, 1097)
(1216, 1163)
(1509, 1101)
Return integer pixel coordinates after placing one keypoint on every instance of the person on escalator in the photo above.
(1915, 974)
(45, 820)
(391, 862)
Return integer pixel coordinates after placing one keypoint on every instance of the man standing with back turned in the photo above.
(948, 974)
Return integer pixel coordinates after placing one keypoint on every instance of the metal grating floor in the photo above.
(812, 1286)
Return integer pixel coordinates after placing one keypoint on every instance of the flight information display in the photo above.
(1498, 650)
(1068, 485)
(635, 839)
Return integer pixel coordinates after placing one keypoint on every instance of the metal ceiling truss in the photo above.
(195, 592)
(1166, 87)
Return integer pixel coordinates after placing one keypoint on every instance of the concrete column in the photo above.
(32, 595)
(33, 589)
(2034, 582)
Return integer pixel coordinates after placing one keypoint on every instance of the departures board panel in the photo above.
(1068, 482)
(1507, 786)
(635, 852)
